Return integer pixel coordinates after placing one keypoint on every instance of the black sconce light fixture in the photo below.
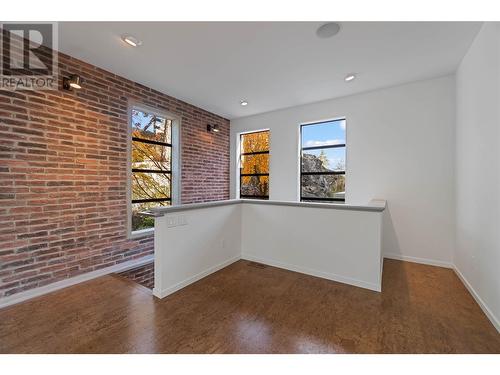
(74, 81)
(213, 128)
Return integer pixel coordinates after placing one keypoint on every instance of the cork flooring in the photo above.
(248, 309)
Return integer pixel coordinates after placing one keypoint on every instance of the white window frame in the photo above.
(175, 194)
(238, 159)
(299, 149)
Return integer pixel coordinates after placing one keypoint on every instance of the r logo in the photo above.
(28, 59)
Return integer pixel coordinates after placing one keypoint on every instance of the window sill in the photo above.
(141, 233)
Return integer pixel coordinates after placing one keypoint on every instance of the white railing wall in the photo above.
(340, 245)
(336, 242)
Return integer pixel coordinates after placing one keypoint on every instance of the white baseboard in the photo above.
(23, 296)
(493, 319)
(307, 271)
(430, 262)
(174, 288)
(32, 293)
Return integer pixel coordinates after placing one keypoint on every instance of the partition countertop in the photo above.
(375, 205)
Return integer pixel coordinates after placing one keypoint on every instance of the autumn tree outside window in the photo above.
(151, 163)
(254, 165)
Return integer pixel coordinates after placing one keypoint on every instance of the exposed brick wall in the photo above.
(63, 175)
(144, 275)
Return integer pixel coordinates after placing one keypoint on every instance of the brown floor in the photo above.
(143, 275)
(246, 309)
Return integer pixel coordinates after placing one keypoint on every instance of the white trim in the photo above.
(489, 314)
(29, 294)
(308, 271)
(193, 279)
(430, 262)
(299, 175)
(238, 158)
(330, 119)
(137, 234)
(253, 131)
(175, 188)
(32, 293)
(375, 205)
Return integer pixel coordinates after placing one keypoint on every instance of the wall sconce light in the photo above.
(74, 81)
(213, 128)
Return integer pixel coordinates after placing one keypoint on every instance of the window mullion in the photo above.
(150, 141)
(337, 182)
(152, 185)
(262, 183)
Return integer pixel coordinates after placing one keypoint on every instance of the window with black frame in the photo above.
(323, 161)
(254, 165)
(151, 155)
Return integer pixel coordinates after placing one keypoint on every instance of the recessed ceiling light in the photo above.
(350, 77)
(131, 40)
(328, 30)
(243, 103)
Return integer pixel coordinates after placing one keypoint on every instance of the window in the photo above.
(151, 163)
(254, 165)
(322, 167)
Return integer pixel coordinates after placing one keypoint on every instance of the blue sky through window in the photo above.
(324, 134)
(141, 121)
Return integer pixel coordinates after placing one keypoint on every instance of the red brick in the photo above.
(63, 175)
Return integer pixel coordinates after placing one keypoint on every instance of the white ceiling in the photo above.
(272, 65)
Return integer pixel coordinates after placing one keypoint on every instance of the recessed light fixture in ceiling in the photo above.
(131, 40)
(244, 103)
(350, 77)
(328, 30)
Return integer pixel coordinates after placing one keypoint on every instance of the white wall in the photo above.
(195, 240)
(192, 244)
(400, 147)
(340, 245)
(477, 255)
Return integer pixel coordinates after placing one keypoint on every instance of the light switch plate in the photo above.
(175, 221)
(171, 221)
(182, 220)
